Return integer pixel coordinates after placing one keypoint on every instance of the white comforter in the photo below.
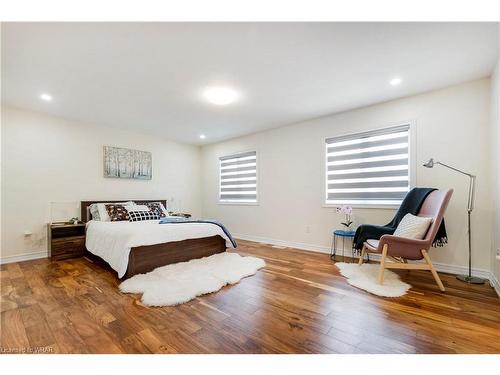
(112, 240)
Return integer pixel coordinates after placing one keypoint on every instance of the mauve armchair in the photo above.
(396, 251)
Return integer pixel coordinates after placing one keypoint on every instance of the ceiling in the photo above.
(148, 77)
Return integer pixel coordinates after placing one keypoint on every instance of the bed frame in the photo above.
(143, 259)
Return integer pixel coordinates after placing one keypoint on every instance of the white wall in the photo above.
(495, 157)
(452, 126)
(46, 159)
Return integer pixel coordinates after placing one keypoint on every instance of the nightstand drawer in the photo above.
(64, 242)
(67, 252)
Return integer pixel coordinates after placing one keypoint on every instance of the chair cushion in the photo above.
(372, 244)
(412, 226)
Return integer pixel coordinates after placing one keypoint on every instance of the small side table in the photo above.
(343, 234)
(66, 240)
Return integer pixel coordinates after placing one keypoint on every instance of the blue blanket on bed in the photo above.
(176, 220)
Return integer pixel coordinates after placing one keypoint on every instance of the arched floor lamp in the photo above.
(470, 206)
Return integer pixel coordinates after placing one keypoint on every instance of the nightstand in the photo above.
(66, 241)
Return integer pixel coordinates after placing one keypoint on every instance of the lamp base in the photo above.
(471, 279)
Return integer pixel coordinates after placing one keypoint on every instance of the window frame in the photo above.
(412, 156)
(256, 203)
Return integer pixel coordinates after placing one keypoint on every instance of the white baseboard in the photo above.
(495, 283)
(441, 267)
(295, 245)
(24, 257)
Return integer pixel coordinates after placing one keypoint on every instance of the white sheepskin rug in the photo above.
(366, 278)
(181, 282)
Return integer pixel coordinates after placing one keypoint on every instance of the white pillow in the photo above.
(94, 212)
(164, 209)
(412, 226)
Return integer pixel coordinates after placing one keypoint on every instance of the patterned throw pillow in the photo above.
(117, 212)
(98, 210)
(412, 226)
(157, 208)
(143, 215)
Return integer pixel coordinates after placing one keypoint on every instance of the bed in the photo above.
(131, 248)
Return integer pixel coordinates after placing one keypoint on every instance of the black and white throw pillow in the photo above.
(143, 215)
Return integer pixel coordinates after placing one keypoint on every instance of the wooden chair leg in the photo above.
(433, 270)
(363, 252)
(382, 265)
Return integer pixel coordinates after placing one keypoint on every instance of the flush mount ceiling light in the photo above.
(203, 136)
(220, 95)
(46, 97)
(395, 81)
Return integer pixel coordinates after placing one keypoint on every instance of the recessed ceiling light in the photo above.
(220, 95)
(46, 97)
(202, 136)
(395, 81)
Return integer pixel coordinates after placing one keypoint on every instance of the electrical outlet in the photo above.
(308, 229)
(498, 254)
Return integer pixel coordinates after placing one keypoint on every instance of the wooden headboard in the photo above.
(85, 210)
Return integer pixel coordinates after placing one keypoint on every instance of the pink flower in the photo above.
(346, 210)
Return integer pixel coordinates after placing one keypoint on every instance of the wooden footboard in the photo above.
(144, 259)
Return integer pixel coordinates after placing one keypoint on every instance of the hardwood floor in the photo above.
(298, 304)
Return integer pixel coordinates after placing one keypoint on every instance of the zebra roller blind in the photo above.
(370, 168)
(238, 178)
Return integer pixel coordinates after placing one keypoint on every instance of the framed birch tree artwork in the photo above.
(127, 163)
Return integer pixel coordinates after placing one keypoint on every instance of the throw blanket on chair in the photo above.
(410, 205)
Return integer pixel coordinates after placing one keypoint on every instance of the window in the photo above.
(238, 178)
(370, 168)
